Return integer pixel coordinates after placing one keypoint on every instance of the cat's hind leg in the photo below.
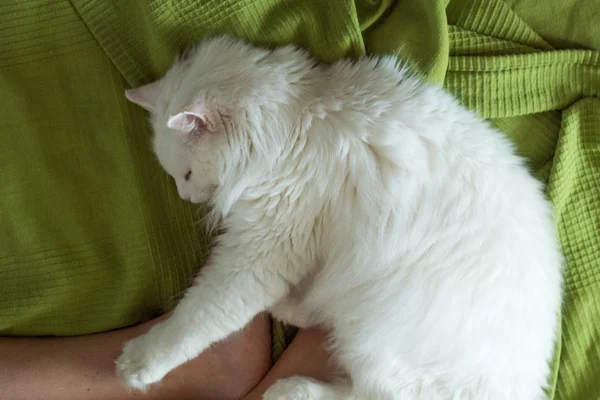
(288, 310)
(302, 388)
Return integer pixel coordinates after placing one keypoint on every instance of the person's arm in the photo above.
(307, 355)
(84, 368)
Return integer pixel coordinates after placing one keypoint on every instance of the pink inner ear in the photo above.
(195, 116)
(186, 122)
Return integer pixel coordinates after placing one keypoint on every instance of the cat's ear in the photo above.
(193, 118)
(145, 96)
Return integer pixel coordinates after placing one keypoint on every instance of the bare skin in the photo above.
(307, 355)
(83, 367)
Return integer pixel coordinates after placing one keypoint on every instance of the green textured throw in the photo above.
(93, 235)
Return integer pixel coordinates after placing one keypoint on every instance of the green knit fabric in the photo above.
(93, 235)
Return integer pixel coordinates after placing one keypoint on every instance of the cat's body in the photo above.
(356, 197)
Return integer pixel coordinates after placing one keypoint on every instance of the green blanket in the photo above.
(93, 235)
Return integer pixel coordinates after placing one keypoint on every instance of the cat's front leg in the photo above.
(228, 294)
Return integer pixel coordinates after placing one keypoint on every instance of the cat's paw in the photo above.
(299, 388)
(288, 389)
(139, 365)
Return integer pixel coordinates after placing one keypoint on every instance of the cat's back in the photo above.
(412, 134)
(440, 179)
(436, 238)
(384, 104)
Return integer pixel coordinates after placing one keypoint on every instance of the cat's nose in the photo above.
(182, 194)
(184, 197)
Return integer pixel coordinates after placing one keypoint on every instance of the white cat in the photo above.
(355, 197)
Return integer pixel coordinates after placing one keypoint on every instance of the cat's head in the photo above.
(207, 110)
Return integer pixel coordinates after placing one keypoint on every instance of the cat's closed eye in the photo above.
(187, 176)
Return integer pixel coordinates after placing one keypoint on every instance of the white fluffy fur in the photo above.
(355, 197)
